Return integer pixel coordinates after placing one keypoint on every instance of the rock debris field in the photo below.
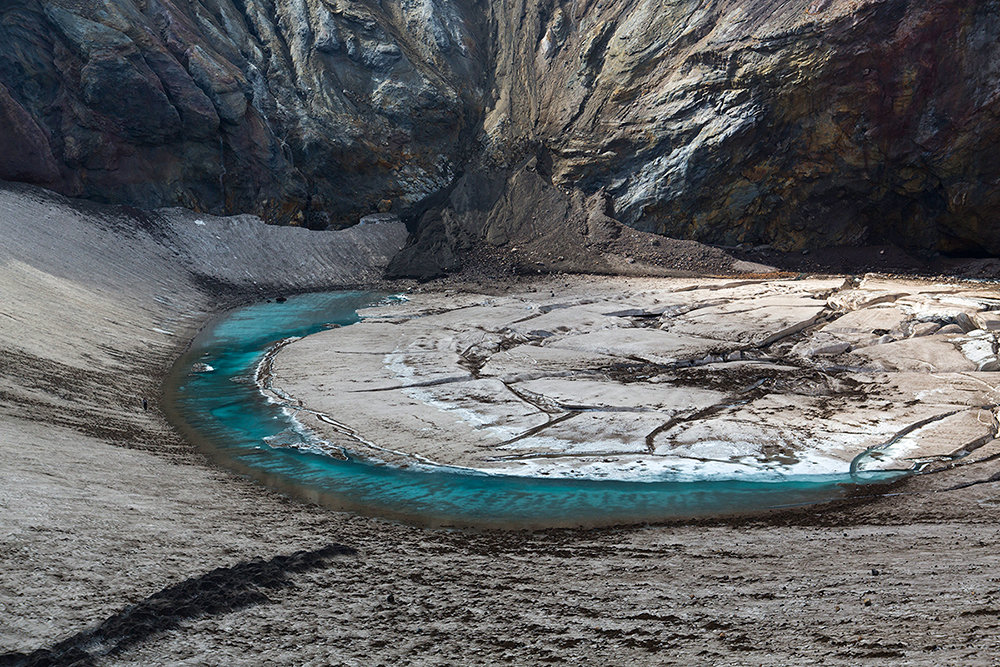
(640, 378)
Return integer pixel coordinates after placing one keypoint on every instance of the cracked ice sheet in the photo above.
(830, 430)
(663, 399)
(750, 321)
(647, 344)
(588, 433)
(766, 446)
(824, 429)
(531, 360)
(485, 406)
(928, 353)
(581, 318)
(420, 365)
(941, 389)
(945, 436)
(341, 371)
(445, 424)
(429, 304)
(867, 320)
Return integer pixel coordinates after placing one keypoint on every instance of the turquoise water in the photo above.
(225, 411)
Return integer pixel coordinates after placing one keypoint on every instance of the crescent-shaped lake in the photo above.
(217, 403)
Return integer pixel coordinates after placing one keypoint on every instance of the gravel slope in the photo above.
(119, 544)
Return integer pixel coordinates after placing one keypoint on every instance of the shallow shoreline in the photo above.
(104, 507)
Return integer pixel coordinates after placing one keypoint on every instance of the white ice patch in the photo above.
(396, 362)
(921, 395)
(978, 350)
(641, 468)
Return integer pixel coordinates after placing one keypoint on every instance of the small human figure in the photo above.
(145, 404)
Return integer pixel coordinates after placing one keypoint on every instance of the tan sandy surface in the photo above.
(119, 544)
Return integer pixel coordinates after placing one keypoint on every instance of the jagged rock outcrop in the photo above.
(297, 110)
(800, 123)
(797, 124)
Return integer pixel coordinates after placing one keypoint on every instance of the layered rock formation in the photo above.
(310, 112)
(793, 123)
(797, 124)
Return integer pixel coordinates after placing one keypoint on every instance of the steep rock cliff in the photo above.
(796, 123)
(299, 110)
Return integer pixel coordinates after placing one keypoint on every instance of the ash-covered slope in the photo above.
(94, 313)
(798, 123)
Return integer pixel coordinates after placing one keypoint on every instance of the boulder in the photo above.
(988, 320)
(923, 329)
(965, 322)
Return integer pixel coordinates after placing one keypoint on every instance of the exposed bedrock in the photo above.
(797, 124)
(300, 111)
(803, 123)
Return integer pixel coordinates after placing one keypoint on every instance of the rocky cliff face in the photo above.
(299, 110)
(799, 124)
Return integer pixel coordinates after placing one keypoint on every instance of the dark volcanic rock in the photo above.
(298, 110)
(798, 124)
(24, 146)
(518, 221)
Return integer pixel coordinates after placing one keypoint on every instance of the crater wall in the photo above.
(797, 124)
